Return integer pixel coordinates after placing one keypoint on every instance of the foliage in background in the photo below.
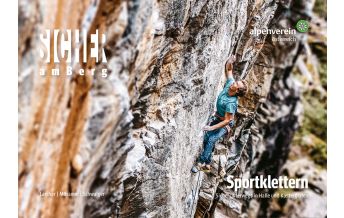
(312, 135)
(320, 8)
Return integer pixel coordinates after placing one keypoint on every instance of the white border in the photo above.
(335, 94)
(9, 109)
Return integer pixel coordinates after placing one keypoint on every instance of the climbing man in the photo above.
(223, 119)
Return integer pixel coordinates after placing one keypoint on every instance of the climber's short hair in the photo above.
(242, 91)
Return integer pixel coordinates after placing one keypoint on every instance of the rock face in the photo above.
(135, 134)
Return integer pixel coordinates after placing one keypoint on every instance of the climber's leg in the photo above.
(212, 121)
(201, 160)
(214, 136)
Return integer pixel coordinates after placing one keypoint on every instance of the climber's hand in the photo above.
(231, 59)
(207, 128)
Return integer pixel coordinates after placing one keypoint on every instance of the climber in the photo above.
(223, 119)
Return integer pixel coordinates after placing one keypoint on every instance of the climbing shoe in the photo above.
(197, 167)
(206, 168)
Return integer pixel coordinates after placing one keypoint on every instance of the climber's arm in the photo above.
(228, 118)
(229, 67)
(229, 73)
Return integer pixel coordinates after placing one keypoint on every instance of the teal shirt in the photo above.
(226, 103)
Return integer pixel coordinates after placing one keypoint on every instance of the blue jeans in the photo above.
(210, 138)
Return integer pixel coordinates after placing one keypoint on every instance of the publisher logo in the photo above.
(77, 49)
(278, 35)
(302, 26)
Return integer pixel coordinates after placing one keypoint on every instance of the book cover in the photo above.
(138, 108)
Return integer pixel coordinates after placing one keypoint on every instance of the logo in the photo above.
(302, 26)
(75, 49)
(64, 40)
(266, 31)
(278, 35)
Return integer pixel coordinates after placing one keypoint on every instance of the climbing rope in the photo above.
(194, 193)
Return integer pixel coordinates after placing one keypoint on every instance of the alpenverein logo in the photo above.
(302, 26)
